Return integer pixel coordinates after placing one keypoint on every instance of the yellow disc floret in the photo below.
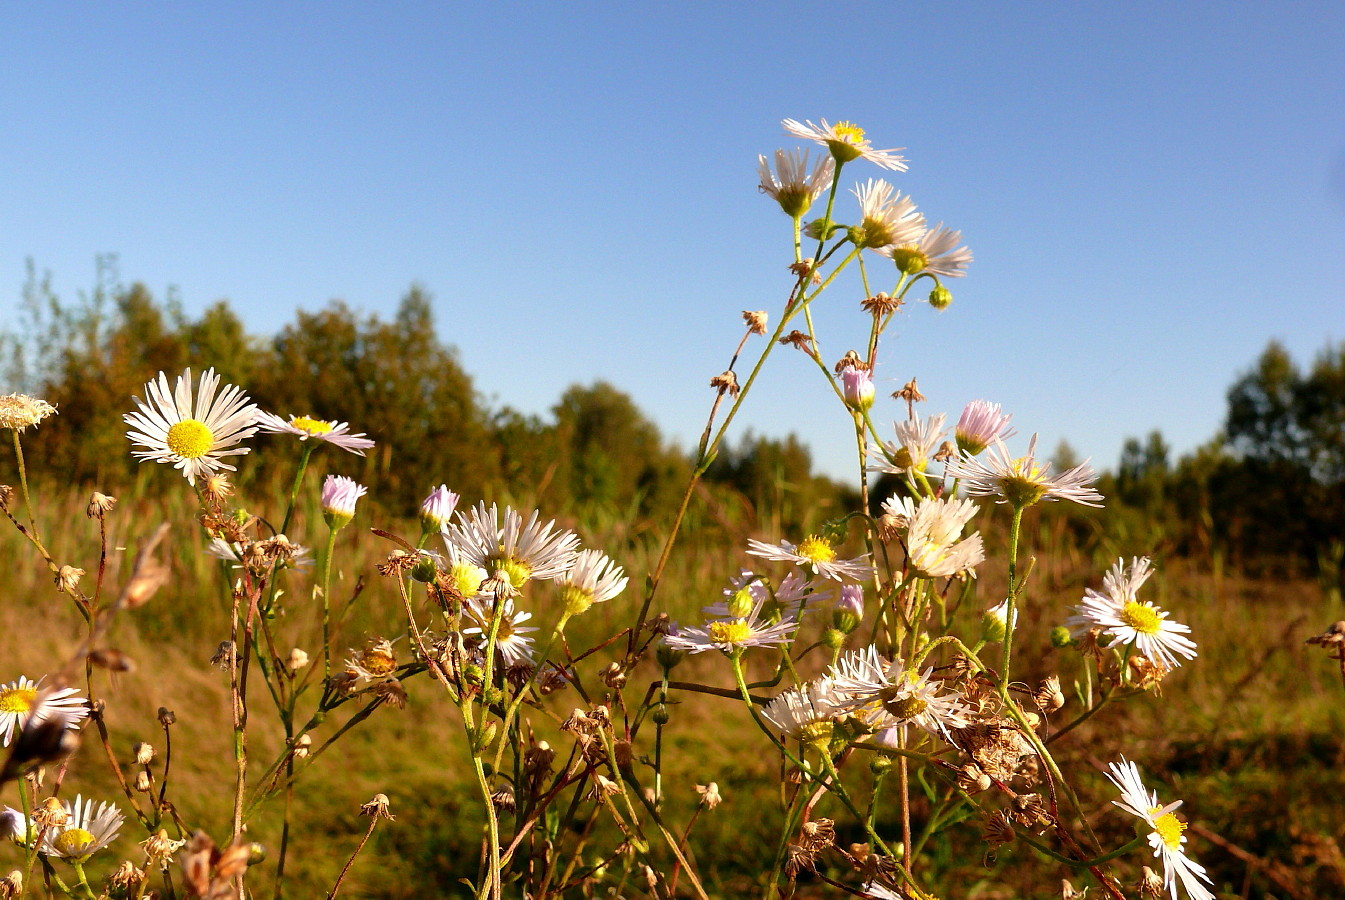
(1169, 828)
(1142, 617)
(846, 142)
(17, 700)
(190, 439)
(312, 426)
(72, 841)
(734, 631)
(905, 708)
(816, 550)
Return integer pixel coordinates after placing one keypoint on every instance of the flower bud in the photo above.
(339, 495)
(849, 611)
(994, 625)
(425, 569)
(857, 388)
(144, 753)
(1060, 637)
(668, 657)
(940, 297)
(437, 509)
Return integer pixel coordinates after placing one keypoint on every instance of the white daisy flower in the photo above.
(738, 629)
(194, 436)
(795, 594)
(1166, 831)
(375, 664)
(511, 638)
(935, 250)
(335, 433)
(917, 442)
(935, 547)
(86, 830)
(806, 711)
(17, 827)
(817, 554)
(522, 550)
(594, 578)
(889, 697)
(980, 423)
(23, 700)
(1022, 481)
(1117, 612)
(793, 184)
(886, 215)
(846, 142)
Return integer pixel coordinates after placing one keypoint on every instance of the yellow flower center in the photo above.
(905, 708)
(848, 132)
(467, 578)
(518, 571)
(816, 550)
(1142, 617)
(17, 700)
(190, 439)
(72, 841)
(733, 632)
(1169, 828)
(312, 426)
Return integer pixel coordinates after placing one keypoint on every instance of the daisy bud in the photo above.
(857, 388)
(339, 495)
(849, 610)
(994, 624)
(833, 638)
(879, 763)
(144, 753)
(437, 509)
(668, 657)
(99, 504)
(425, 569)
(660, 714)
(940, 297)
(980, 424)
(1060, 637)
(740, 603)
(142, 782)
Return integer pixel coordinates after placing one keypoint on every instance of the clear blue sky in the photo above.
(1152, 190)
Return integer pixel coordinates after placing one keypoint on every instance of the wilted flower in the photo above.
(195, 436)
(335, 433)
(19, 411)
(710, 796)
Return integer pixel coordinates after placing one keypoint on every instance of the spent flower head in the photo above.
(846, 141)
(19, 411)
(193, 432)
(1022, 481)
(304, 427)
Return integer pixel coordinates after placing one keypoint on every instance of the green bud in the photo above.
(844, 621)
(833, 638)
(660, 714)
(1060, 637)
(425, 569)
(668, 657)
(940, 297)
(741, 603)
(878, 763)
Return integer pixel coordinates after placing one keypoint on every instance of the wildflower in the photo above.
(522, 550)
(887, 216)
(195, 436)
(846, 142)
(980, 423)
(816, 554)
(85, 831)
(849, 609)
(917, 442)
(995, 622)
(511, 636)
(1117, 612)
(335, 433)
(805, 712)
(16, 826)
(594, 578)
(19, 411)
(437, 509)
(1022, 481)
(23, 701)
(374, 664)
(738, 629)
(888, 696)
(793, 184)
(935, 547)
(934, 251)
(1165, 831)
(377, 808)
(339, 495)
(297, 659)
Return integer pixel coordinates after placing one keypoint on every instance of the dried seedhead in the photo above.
(208, 871)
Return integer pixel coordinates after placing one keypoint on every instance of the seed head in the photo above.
(377, 808)
(144, 753)
(756, 321)
(19, 411)
(710, 796)
(98, 505)
(67, 579)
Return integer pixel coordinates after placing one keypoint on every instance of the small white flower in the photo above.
(887, 216)
(522, 550)
(335, 433)
(594, 578)
(511, 637)
(817, 554)
(1117, 612)
(85, 831)
(1022, 481)
(889, 697)
(1166, 835)
(339, 496)
(736, 629)
(195, 436)
(793, 184)
(934, 251)
(800, 711)
(23, 700)
(935, 547)
(846, 142)
(917, 442)
(437, 509)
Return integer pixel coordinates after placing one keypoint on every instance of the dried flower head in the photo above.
(756, 321)
(19, 411)
(709, 794)
(67, 579)
(377, 808)
(99, 504)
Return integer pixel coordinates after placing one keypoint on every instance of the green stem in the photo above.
(298, 480)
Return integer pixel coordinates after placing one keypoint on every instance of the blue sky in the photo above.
(1152, 190)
